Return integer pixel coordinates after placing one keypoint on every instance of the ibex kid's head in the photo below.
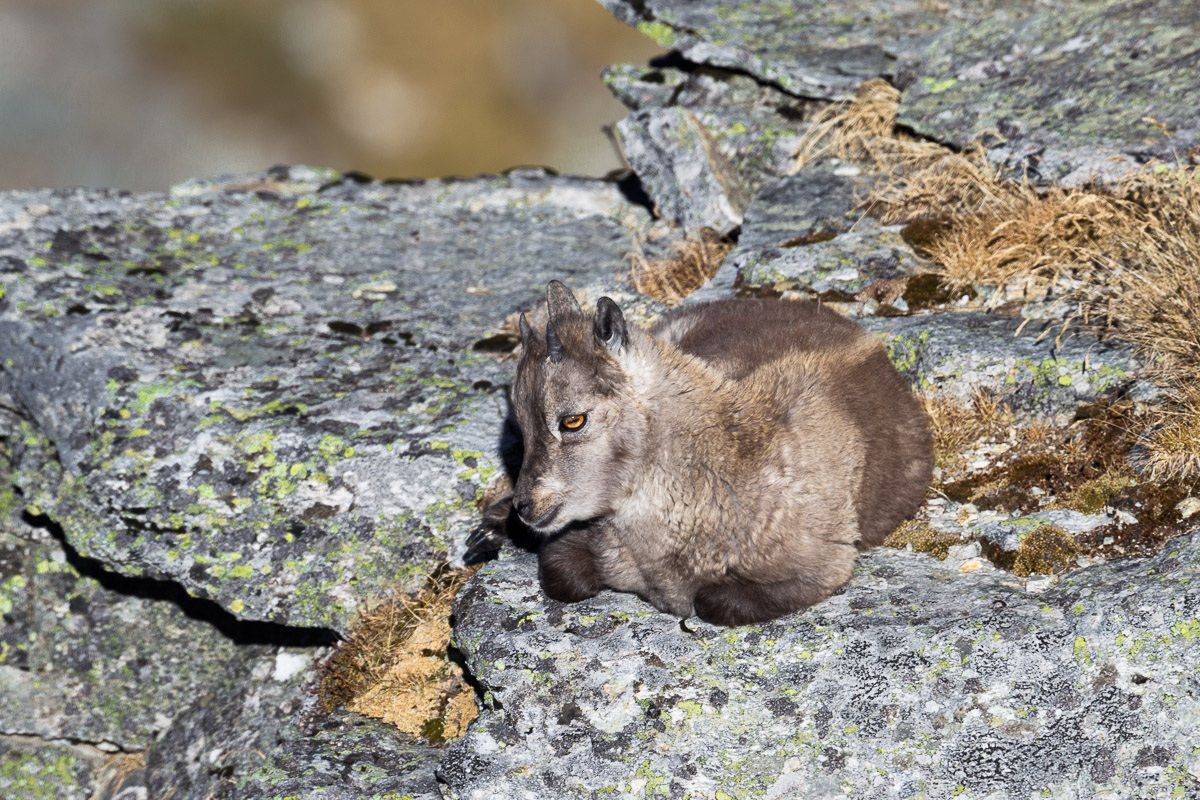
(580, 432)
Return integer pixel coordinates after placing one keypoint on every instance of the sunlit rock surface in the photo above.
(234, 413)
(916, 680)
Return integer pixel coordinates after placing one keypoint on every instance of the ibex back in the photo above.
(729, 463)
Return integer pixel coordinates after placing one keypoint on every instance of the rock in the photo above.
(33, 769)
(692, 183)
(86, 664)
(1007, 534)
(1043, 543)
(267, 388)
(916, 679)
(809, 50)
(91, 659)
(1188, 507)
(1059, 91)
(703, 142)
(1068, 93)
(953, 354)
(127, 669)
(805, 234)
(811, 206)
(267, 742)
(867, 271)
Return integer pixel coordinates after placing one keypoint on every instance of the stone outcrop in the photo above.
(269, 390)
(916, 680)
(235, 413)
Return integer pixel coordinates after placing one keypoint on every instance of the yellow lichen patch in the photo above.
(922, 538)
(1046, 550)
(394, 665)
(691, 264)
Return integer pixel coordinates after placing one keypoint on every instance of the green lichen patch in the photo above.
(49, 774)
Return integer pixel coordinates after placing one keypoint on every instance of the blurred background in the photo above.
(140, 94)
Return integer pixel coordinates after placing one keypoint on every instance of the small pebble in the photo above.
(1125, 518)
(1040, 584)
(1188, 507)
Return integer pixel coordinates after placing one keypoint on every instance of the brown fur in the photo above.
(735, 458)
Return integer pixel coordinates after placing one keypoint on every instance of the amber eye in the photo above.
(573, 422)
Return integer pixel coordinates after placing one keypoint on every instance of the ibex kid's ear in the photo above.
(609, 325)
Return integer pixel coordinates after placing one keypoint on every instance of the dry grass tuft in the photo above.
(1153, 274)
(1028, 240)
(1127, 256)
(116, 769)
(691, 264)
(847, 130)
(1171, 447)
(919, 179)
(394, 665)
(956, 426)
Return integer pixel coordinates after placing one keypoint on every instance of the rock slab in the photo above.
(916, 680)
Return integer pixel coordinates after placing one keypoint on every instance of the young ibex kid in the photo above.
(728, 463)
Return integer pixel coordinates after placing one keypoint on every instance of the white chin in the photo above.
(548, 527)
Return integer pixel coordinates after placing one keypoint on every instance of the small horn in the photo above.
(560, 302)
(526, 330)
(554, 345)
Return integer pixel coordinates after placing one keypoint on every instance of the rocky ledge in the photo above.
(235, 415)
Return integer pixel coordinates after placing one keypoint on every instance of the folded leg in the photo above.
(568, 567)
(741, 603)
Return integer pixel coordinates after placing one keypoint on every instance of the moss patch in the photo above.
(1084, 466)
(1046, 550)
(1093, 496)
(922, 538)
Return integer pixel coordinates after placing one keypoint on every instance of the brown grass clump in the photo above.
(1127, 255)
(394, 665)
(956, 427)
(918, 179)
(116, 770)
(1171, 448)
(848, 130)
(692, 264)
(1028, 239)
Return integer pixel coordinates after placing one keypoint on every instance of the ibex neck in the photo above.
(697, 416)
